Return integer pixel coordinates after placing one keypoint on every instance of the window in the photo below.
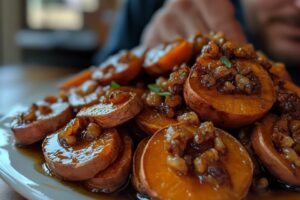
(58, 14)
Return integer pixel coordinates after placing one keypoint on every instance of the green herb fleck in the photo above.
(114, 85)
(154, 88)
(163, 93)
(225, 61)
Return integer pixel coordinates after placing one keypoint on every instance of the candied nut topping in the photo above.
(76, 132)
(167, 97)
(288, 102)
(117, 96)
(35, 112)
(63, 95)
(51, 99)
(197, 154)
(226, 66)
(92, 132)
(286, 134)
(189, 118)
(153, 99)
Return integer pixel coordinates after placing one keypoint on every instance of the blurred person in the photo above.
(271, 25)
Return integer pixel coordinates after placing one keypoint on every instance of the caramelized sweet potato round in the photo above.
(81, 160)
(122, 68)
(40, 120)
(136, 168)
(116, 174)
(162, 182)
(226, 109)
(77, 79)
(265, 149)
(122, 105)
(151, 121)
(163, 58)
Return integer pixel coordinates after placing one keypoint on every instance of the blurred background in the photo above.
(44, 41)
(54, 32)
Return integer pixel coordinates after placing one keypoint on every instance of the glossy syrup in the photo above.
(127, 192)
(35, 152)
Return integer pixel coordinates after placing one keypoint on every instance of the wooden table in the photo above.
(24, 84)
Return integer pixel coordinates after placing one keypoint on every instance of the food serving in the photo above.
(196, 118)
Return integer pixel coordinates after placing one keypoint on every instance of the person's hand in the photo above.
(187, 17)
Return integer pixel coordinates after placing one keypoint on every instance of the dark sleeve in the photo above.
(126, 32)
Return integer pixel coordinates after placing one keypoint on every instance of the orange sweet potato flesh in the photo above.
(151, 121)
(230, 110)
(136, 168)
(116, 70)
(271, 158)
(82, 161)
(115, 175)
(163, 58)
(77, 80)
(161, 182)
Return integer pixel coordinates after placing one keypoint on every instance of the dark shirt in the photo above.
(130, 23)
(136, 14)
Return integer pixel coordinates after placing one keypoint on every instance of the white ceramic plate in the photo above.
(20, 172)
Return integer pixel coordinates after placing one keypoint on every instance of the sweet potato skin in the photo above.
(136, 168)
(116, 174)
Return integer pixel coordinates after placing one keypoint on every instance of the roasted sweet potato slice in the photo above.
(162, 182)
(116, 174)
(80, 159)
(39, 120)
(151, 121)
(231, 110)
(288, 85)
(122, 68)
(163, 58)
(274, 160)
(77, 79)
(121, 106)
(136, 168)
(86, 95)
(280, 71)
